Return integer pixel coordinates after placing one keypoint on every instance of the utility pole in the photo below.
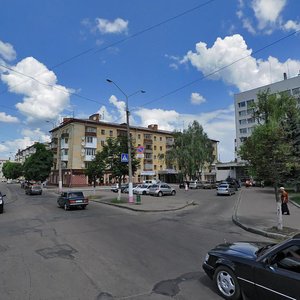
(130, 184)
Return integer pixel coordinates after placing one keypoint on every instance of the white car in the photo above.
(225, 189)
(142, 189)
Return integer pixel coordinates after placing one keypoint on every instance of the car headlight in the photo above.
(206, 257)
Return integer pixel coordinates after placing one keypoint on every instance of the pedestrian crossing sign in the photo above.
(124, 157)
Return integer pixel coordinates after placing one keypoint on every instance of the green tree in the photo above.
(96, 168)
(12, 170)
(37, 166)
(270, 150)
(192, 149)
(112, 152)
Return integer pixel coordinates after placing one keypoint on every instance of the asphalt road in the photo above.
(107, 253)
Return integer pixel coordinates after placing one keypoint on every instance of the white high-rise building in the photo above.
(244, 122)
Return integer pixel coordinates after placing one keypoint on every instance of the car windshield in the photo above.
(263, 249)
(144, 186)
(154, 186)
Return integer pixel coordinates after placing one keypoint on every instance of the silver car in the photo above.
(225, 189)
(161, 189)
(195, 184)
(142, 189)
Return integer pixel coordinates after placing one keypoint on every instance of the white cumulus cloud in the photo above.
(7, 118)
(237, 66)
(43, 98)
(117, 26)
(196, 98)
(267, 12)
(291, 25)
(7, 51)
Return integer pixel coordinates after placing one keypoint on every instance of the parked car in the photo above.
(72, 199)
(161, 189)
(33, 190)
(256, 270)
(209, 185)
(142, 189)
(2, 202)
(226, 189)
(115, 188)
(195, 184)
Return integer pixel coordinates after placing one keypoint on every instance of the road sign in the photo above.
(140, 149)
(124, 157)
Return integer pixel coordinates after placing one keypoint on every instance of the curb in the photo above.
(296, 204)
(144, 210)
(235, 220)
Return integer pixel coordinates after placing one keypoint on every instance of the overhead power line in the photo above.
(219, 69)
(87, 51)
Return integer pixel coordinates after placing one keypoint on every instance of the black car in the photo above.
(33, 190)
(72, 199)
(256, 270)
(1, 202)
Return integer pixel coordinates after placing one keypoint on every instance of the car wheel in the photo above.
(1, 210)
(83, 206)
(226, 283)
(66, 207)
(173, 193)
(159, 194)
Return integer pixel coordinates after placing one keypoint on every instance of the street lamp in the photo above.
(130, 194)
(58, 154)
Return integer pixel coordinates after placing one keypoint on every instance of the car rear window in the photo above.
(154, 186)
(76, 194)
(36, 187)
(223, 185)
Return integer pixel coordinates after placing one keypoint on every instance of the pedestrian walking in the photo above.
(186, 186)
(284, 201)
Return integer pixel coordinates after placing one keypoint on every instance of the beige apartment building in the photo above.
(79, 140)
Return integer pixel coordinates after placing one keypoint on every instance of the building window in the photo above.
(90, 151)
(154, 148)
(65, 151)
(243, 139)
(147, 136)
(66, 140)
(160, 138)
(251, 120)
(243, 130)
(91, 129)
(250, 129)
(242, 104)
(154, 156)
(250, 111)
(154, 138)
(160, 148)
(243, 121)
(102, 143)
(103, 131)
(148, 155)
(139, 136)
(250, 102)
(242, 113)
(89, 139)
(111, 133)
(160, 167)
(154, 167)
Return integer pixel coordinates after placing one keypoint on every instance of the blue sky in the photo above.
(55, 57)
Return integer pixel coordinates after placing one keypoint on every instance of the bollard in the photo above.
(138, 199)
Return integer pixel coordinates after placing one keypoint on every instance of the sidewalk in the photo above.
(255, 211)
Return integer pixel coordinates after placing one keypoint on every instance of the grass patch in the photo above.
(295, 197)
(93, 197)
(116, 201)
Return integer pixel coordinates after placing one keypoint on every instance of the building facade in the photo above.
(244, 122)
(78, 141)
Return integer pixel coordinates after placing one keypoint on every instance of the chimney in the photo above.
(284, 76)
(153, 127)
(95, 117)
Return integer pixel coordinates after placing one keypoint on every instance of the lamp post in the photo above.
(58, 154)
(130, 186)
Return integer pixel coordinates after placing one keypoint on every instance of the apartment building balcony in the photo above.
(64, 157)
(64, 145)
(148, 141)
(92, 144)
(169, 142)
(90, 133)
(148, 150)
(64, 135)
(148, 167)
(89, 157)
